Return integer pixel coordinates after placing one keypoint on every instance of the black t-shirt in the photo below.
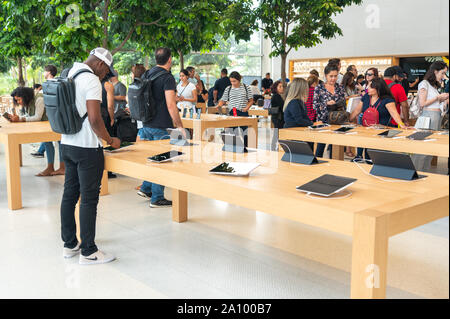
(221, 85)
(200, 97)
(266, 83)
(163, 83)
(211, 97)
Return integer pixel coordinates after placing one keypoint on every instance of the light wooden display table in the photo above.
(212, 121)
(216, 110)
(13, 135)
(367, 138)
(375, 211)
(259, 112)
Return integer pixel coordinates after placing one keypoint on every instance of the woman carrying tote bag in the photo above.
(433, 104)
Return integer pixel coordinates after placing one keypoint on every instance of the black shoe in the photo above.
(161, 204)
(144, 194)
(37, 155)
(111, 175)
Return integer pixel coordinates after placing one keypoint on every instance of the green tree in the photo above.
(194, 26)
(289, 24)
(21, 27)
(292, 24)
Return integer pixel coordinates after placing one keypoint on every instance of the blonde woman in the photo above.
(295, 113)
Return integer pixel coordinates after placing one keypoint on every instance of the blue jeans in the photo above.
(50, 149)
(153, 134)
(41, 149)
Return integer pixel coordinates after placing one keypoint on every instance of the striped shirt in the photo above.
(237, 97)
(312, 114)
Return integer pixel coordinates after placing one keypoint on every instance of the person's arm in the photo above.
(215, 94)
(405, 111)
(39, 111)
(205, 96)
(173, 109)
(110, 98)
(224, 98)
(97, 124)
(392, 108)
(356, 111)
(249, 105)
(195, 97)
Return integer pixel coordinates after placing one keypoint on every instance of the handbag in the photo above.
(338, 117)
(337, 114)
(423, 122)
(371, 116)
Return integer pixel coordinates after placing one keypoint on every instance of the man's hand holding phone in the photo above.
(115, 142)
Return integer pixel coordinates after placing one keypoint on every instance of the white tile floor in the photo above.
(223, 251)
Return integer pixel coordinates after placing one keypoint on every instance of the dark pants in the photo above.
(321, 149)
(243, 128)
(84, 171)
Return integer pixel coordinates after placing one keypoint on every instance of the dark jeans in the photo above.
(84, 171)
(321, 149)
(243, 128)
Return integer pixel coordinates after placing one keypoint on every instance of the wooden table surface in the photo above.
(376, 210)
(213, 121)
(367, 138)
(13, 135)
(258, 112)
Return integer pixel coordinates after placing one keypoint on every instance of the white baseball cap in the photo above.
(104, 55)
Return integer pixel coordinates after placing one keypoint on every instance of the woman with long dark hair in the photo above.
(433, 104)
(277, 102)
(378, 96)
(329, 95)
(186, 92)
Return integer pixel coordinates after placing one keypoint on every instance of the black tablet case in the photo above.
(393, 165)
(298, 152)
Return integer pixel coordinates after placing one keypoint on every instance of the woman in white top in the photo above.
(186, 92)
(433, 105)
(254, 88)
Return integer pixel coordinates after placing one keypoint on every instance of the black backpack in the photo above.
(60, 105)
(140, 98)
(126, 127)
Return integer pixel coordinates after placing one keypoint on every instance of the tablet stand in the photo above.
(179, 142)
(234, 149)
(394, 172)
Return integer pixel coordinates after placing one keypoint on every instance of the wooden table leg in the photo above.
(369, 257)
(253, 136)
(20, 155)
(13, 185)
(179, 206)
(338, 152)
(197, 131)
(434, 162)
(104, 190)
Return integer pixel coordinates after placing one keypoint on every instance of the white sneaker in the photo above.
(69, 253)
(98, 257)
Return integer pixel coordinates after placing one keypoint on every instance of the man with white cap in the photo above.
(83, 155)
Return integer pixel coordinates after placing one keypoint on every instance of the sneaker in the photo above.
(144, 194)
(96, 258)
(161, 204)
(69, 253)
(37, 155)
(358, 159)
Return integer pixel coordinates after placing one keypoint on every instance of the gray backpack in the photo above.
(60, 105)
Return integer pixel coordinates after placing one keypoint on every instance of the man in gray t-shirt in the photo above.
(120, 94)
